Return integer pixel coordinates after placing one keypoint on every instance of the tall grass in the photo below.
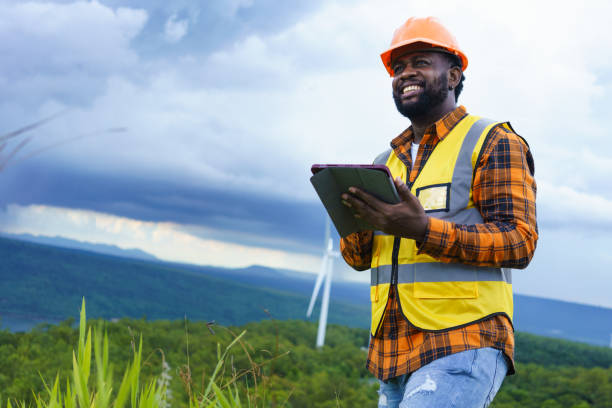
(224, 391)
(82, 390)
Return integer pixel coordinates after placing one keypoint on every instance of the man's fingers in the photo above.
(359, 208)
(367, 198)
(402, 189)
(354, 203)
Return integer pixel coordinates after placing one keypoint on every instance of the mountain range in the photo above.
(45, 283)
(86, 246)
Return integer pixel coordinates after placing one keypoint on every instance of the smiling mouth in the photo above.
(409, 89)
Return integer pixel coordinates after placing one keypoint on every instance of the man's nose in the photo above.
(407, 72)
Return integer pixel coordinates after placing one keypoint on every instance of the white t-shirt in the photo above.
(414, 149)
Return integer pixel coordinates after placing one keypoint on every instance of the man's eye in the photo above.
(397, 69)
(420, 63)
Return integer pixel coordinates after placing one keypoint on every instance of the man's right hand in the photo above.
(405, 219)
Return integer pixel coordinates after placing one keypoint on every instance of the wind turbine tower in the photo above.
(325, 273)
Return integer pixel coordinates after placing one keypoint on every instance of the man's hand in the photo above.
(405, 219)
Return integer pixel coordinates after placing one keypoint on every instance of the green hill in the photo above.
(42, 283)
(39, 281)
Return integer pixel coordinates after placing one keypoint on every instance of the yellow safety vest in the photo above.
(433, 295)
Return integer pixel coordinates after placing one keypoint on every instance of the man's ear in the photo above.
(454, 77)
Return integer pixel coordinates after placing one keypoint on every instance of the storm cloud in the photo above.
(225, 105)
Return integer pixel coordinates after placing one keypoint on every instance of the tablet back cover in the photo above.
(331, 182)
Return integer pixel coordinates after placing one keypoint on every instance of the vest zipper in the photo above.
(395, 253)
(394, 260)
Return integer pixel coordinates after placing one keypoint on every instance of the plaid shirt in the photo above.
(504, 192)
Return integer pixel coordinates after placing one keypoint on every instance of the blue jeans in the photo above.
(467, 379)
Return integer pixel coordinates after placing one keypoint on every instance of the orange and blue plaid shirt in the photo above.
(504, 191)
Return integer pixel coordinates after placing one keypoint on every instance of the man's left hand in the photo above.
(405, 219)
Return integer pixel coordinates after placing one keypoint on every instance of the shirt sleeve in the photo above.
(504, 190)
(356, 250)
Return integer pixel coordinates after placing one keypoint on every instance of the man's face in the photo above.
(420, 82)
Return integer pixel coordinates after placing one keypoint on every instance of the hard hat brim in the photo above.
(419, 44)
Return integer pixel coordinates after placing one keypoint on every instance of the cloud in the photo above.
(584, 167)
(224, 123)
(324, 100)
(310, 91)
(565, 207)
(569, 264)
(167, 241)
(64, 51)
(213, 24)
(245, 218)
(175, 29)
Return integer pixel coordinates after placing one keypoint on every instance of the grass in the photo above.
(84, 390)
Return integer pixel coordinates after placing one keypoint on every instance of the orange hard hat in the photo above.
(423, 33)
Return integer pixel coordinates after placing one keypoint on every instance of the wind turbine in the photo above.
(326, 273)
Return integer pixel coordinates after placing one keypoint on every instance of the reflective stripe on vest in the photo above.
(432, 295)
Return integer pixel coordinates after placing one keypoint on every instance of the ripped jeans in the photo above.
(467, 379)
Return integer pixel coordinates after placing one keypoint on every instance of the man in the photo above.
(441, 333)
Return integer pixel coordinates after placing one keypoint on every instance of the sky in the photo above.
(188, 128)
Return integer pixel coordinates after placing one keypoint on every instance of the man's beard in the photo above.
(430, 97)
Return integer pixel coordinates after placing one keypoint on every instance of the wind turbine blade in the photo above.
(317, 286)
(327, 232)
(323, 270)
(325, 304)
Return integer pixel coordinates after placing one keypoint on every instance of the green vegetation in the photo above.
(45, 281)
(556, 352)
(536, 386)
(82, 391)
(276, 363)
(273, 364)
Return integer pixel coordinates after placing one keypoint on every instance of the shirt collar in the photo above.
(439, 129)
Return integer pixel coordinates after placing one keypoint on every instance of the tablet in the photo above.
(330, 181)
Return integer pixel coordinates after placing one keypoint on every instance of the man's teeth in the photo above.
(411, 88)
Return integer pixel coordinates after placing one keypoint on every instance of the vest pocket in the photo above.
(437, 280)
